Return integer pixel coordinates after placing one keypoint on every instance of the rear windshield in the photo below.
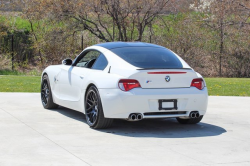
(149, 57)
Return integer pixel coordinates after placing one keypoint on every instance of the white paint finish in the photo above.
(119, 104)
(31, 135)
(71, 83)
(158, 80)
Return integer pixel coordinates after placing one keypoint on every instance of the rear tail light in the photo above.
(128, 84)
(198, 83)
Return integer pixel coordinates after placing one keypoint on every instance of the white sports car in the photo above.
(126, 80)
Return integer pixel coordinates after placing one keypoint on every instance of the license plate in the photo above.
(170, 104)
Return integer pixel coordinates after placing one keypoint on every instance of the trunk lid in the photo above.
(165, 78)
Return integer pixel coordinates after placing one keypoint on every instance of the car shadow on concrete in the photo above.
(160, 128)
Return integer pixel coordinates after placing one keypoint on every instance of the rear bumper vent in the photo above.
(165, 113)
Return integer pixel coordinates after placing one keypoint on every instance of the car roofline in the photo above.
(114, 45)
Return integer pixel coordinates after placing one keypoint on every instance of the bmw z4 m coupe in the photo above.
(126, 80)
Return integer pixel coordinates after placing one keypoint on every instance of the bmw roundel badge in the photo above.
(167, 78)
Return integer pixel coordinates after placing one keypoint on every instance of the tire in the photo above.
(93, 110)
(46, 94)
(189, 121)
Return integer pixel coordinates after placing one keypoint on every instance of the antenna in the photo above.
(109, 69)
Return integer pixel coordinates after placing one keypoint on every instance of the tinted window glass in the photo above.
(100, 63)
(88, 59)
(149, 57)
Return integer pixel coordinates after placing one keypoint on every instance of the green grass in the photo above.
(10, 72)
(19, 83)
(228, 86)
(216, 86)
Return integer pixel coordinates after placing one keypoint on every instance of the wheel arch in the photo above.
(90, 84)
(44, 73)
(50, 83)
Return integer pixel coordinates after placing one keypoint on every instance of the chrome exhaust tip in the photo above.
(139, 116)
(194, 114)
(197, 115)
(132, 117)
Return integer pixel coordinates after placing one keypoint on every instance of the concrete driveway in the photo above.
(31, 135)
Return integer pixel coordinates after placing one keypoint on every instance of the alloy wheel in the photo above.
(45, 92)
(91, 107)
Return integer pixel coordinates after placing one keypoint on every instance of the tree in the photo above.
(109, 20)
(222, 16)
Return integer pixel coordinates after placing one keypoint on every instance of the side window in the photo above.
(100, 63)
(88, 60)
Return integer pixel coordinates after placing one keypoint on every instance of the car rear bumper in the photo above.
(119, 104)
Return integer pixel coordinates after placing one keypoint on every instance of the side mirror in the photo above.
(67, 61)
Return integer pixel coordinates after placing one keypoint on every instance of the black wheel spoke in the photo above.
(90, 101)
(45, 92)
(44, 99)
(93, 98)
(94, 116)
(90, 104)
(91, 107)
(91, 117)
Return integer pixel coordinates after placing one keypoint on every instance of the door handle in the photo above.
(81, 77)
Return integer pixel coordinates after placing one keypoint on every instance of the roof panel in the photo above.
(112, 45)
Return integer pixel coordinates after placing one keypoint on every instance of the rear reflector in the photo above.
(128, 84)
(198, 83)
(170, 72)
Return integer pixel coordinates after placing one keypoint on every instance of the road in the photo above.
(31, 135)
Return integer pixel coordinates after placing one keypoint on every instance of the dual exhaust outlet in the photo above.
(138, 116)
(135, 117)
(194, 114)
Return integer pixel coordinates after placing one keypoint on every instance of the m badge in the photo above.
(167, 78)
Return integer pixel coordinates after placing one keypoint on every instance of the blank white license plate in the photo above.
(170, 104)
(167, 104)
